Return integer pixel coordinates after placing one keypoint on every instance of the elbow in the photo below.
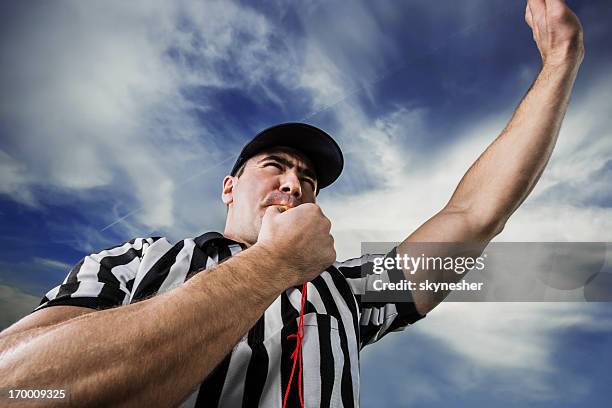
(480, 224)
(487, 227)
(493, 229)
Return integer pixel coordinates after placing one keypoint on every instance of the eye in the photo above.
(309, 181)
(274, 164)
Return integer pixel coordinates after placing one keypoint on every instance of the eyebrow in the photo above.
(302, 170)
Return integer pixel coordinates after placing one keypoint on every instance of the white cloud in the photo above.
(509, 349)
(14, 304)
(488, 329)
(107, 110)
(13, 175)
(96, 103)
(517, 340)
(52, 263)
(413, 188)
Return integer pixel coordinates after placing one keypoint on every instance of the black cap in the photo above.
(312, 142)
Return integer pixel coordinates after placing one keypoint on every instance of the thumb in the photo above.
(273, 211)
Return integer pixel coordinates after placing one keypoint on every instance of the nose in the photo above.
(290, 184)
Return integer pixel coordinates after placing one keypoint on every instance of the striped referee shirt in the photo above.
(256, 372)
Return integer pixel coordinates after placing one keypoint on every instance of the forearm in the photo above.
(7, 342)
(152, 352)
(504, 175)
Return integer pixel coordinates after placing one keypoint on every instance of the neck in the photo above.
(228, 233)
(235, 232)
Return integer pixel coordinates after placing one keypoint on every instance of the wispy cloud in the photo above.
(13, 177)
(111, 113)
(131, 113)
(464, 350)
(52, 263)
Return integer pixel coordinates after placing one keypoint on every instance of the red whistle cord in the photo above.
(297, 352)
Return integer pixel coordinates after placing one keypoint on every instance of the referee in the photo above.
(263, 315)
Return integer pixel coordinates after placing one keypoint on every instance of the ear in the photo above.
(227, 195)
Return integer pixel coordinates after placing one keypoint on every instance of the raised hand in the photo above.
(557, 32)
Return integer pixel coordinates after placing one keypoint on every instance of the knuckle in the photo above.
(314, 209)
(314, 206)
(305, 206)
(558, 12)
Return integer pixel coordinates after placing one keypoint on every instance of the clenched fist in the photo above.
(301, 237)
(556, 31)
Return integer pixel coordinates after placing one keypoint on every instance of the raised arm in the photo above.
(506, 172)
(154, 352)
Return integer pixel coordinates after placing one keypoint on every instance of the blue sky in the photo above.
(120, 120)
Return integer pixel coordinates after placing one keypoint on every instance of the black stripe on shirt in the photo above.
(347, 294)
(290, 327)
(112, 287)
(326, 364)
(257, 370)
(72, 283)
(332, 309)
(90, 302)
(129, 284)
(157, 274)
(198, 261)
(224, 251)
(210, 389)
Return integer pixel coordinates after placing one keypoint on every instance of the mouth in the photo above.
(282, 206)
(283, 201)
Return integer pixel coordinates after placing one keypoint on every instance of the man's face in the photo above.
(274, 177)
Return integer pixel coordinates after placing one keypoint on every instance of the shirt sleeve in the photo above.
(101, 280)
(377, 318)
